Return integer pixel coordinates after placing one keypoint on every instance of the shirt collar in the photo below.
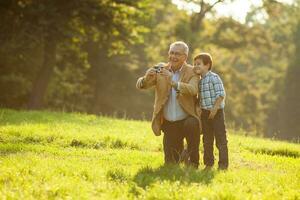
(208, 73)
(178, 71)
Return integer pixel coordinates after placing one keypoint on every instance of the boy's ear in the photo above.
(207, 65)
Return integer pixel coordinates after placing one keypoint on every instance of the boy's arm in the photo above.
(214, 110)
(220, 92)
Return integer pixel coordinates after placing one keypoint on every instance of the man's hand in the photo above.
(165, 72)
(197, 70)
(213, 112)
(174, 85)
(150, 73)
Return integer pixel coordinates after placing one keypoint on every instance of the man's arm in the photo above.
(190, 88)
(147, 81)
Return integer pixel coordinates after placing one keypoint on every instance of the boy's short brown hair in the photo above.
(206, 59)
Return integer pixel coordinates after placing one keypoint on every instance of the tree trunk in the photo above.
(197, 18)
(289, 117)
(40, 85)
(97, 58)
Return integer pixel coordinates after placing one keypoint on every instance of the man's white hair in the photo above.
(183, 45)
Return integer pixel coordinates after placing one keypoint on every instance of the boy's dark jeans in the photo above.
(174, 134)
(214, 129)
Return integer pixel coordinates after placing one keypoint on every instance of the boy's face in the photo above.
(200, 66)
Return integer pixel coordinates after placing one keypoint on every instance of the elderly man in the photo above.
(176, 87)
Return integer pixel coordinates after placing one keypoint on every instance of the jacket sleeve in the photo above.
(190, 88)
(144, 83)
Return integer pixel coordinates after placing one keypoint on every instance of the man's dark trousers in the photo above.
(214, 129)
(174, 134)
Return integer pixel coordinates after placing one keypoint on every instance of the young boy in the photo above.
(212, 102)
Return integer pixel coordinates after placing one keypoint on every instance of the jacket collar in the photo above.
(183, 69)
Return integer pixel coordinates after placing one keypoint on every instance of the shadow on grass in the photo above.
(103, 143)
(147, 175)
(275, 152)
(117, 175)
(106, 142)
(11, 148)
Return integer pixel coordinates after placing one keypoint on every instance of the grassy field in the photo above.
(46, 155)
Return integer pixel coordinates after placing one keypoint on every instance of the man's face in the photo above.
(198, 63)
(177, 56)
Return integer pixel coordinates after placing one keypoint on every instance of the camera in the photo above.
(158, 67)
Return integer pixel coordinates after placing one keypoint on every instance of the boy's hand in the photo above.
(214, 110)
(212, 113)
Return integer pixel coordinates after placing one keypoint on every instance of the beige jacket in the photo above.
(187, 96)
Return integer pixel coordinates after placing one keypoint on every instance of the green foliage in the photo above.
(51, 36)
(51, 155)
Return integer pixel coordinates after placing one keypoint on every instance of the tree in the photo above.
(198, 17)
(46, 25)
(289, 116)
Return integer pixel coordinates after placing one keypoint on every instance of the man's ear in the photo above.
(185, 57)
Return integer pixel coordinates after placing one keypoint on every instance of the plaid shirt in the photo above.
(211, 87)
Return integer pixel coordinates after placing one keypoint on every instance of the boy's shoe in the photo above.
(208, 168)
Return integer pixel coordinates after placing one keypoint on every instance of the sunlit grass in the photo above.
(46, 155)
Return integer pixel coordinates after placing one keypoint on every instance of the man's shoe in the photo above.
(208, 168)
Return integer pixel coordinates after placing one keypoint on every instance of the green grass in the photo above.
(47, 155)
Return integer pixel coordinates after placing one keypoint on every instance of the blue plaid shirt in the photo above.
(211, 87)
